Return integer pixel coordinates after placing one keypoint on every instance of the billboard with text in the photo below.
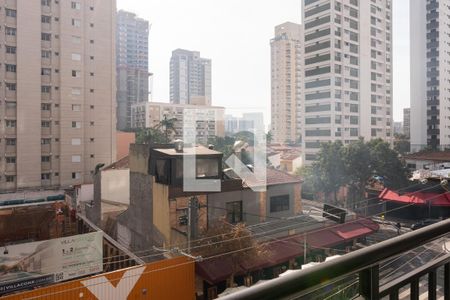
(28, 265)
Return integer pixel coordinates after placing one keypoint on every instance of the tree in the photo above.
(309, 184)
(269, 138)
(402, 144)
(168, 126)
(329, 169)
(150, 136)
(234, 241)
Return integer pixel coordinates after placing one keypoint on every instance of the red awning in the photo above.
(323, 238)
(351, 231)
(416, 198)
(216, 269)
(284, 250)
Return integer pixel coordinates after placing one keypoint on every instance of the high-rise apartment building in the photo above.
(190, 78)
(132, 65)
(286, 55)
(57, 118)
(347, 72)
(430, 68)
(407, 122)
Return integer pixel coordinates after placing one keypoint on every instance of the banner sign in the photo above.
(165, 279)
(27, 265)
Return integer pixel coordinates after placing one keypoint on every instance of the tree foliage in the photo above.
(150, 136)
(236, 241)
(354, 165)
(168, 127)
(402, 144)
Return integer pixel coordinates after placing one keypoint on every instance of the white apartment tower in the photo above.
(286, 82)
(430, 74)
(347, 72)
(190, 78)
(57, 114)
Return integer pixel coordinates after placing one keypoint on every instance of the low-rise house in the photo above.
(428, 160)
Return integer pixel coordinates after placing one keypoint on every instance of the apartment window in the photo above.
(76, 23)
(76, 124)
(10, 178)
(46, 141)
(76, 39)
(56, 174)
(92, 106)
(92, 123)
(45, 176)
(76, 142)
(10, 86)
(92, 156)
(46, 36)
(76, 91)
(279, 203)
(11, 160)
(45, 159)
(76, 175)
(45, 2)
(10, 12)
(234, 212)
(76, 5)
(57, 140)
(76, 73)
(10, 49)
(11, 105)
(76, 158)
(56, 122)
(45, 124)
(46, 54)
(45, 89)
(46, 19)
(76, 107)
(76, 57)
(10, 31)
(10, 142)
(46, 71)
(10, 68)
(92, 140)
(91, 90)
(11, 123)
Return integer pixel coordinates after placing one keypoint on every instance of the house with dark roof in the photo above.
(428, 160)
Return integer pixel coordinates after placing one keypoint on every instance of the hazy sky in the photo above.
(235, 34)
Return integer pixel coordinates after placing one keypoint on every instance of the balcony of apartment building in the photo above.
(10, 110)
(392, 269)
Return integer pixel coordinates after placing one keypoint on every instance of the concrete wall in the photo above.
(255, 206)
(85, 193)
(116, 186)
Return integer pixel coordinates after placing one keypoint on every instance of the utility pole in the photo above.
(192, 221)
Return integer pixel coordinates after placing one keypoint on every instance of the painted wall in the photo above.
(116, 186)
(124, 140)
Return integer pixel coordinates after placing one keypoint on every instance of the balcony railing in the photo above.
(365, 265)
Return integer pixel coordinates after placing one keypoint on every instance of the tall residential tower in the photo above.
(286, 49)
(190, 78)
(430, 79)
(347, 72)
(57, 121)
(132, 65)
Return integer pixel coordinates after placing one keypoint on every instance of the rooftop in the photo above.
(438, 156)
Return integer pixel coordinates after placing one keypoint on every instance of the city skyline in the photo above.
(223, 42)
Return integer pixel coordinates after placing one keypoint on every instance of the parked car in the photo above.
(423, 223)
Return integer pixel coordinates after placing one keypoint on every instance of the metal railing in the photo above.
(365, 264)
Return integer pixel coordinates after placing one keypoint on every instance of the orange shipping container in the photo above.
(166, 279)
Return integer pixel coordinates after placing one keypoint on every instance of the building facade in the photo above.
(190, 78)
(286, 51)
(248, 122)
(430, 91)
(347, 72)
(58, 85)
(132, 65)
(211, 118)
(407, 122)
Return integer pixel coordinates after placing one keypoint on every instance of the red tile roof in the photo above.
(275, 177)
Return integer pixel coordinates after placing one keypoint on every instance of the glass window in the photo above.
(234, 212)
(279, 203)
